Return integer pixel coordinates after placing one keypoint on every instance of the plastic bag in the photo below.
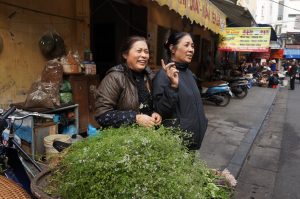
(43, 95)
(65, 87)
(66, 98)
(53, 72)
(38, 97)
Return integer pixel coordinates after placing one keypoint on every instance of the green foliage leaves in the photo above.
(133, 162)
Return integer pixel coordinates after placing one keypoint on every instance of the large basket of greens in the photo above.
(133, 162)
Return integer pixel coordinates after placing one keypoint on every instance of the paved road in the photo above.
(272, 167)
(288, 179)
(232, 129)
(244, 112)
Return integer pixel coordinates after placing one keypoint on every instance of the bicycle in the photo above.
(12, 156)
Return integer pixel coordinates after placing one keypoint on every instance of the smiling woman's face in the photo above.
(183, 52)
(138, 56)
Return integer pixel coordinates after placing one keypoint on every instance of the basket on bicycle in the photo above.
(10, 190)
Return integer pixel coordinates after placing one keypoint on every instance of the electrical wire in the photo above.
(284, 5)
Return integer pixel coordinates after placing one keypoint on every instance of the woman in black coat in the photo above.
(176, 95)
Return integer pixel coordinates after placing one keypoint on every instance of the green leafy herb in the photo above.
(134, 162)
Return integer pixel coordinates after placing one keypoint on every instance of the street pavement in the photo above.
(287, 180)
(233, 129)
(258, 175)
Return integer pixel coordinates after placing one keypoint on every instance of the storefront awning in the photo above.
(237, 16)
(202, 12)
(292, 53)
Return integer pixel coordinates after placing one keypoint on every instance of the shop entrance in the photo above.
(112, 21)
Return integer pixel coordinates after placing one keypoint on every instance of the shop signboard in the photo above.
(202, 12)
(246, 39)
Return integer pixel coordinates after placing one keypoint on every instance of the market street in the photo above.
(232, 129)
(271, 168)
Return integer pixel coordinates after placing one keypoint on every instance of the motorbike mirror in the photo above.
(1, 110)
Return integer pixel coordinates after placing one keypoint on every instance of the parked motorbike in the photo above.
(239, 87)
(217, 92)
(12, 157)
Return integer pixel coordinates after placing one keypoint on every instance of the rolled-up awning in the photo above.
(292, 53)
(202, 12)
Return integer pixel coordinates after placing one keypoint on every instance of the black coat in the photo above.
(183, 103)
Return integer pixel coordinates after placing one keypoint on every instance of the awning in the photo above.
(202, 12)
(292, 53)
(237, 16)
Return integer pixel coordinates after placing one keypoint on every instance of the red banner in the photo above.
(277, 54)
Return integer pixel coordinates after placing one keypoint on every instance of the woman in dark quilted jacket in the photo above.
(124, 96)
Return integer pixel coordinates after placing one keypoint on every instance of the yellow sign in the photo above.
(246, 39)
(202, 12)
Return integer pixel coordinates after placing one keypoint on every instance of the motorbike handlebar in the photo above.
(28, 114)
(8, 112)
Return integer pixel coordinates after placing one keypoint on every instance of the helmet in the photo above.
(52, 45)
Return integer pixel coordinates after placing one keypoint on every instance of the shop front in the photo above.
(113, 21)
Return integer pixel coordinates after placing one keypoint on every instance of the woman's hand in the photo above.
(172, 73)
(145, 120)
(157, 118)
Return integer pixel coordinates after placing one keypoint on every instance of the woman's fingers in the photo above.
(163, 64)
(145, 120)
(168, 66)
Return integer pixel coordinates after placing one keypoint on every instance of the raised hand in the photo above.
(172, 73)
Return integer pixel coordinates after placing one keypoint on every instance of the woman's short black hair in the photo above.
(174, 39)
(127, 45)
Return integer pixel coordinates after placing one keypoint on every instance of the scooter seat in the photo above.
(214, 83)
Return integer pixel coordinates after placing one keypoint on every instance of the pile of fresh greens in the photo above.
(134, 162)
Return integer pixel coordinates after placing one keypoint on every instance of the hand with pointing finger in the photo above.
(172, 73)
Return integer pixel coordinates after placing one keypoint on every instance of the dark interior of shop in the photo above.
(111, 23)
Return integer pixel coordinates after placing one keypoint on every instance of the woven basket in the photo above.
(10, 190)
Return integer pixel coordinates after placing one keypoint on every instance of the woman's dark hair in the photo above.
(127, 45)
(174, 39)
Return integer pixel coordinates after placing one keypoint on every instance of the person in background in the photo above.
(292, 71)
(124, 97)
(273, 65)
(175, 92)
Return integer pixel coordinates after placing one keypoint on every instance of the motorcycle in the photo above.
(217, 92)
(239, 87)
(13, 159)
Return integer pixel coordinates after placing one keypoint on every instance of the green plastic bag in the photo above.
(66, 98)
(65, 87)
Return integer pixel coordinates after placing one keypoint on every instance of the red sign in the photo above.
(277, 54)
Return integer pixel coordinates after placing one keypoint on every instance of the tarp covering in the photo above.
(202, 12)
(292, 53)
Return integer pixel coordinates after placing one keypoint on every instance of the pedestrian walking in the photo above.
(292, 73)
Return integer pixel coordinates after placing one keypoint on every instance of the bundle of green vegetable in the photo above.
(134, 162)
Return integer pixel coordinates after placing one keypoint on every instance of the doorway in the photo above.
(112, 21)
